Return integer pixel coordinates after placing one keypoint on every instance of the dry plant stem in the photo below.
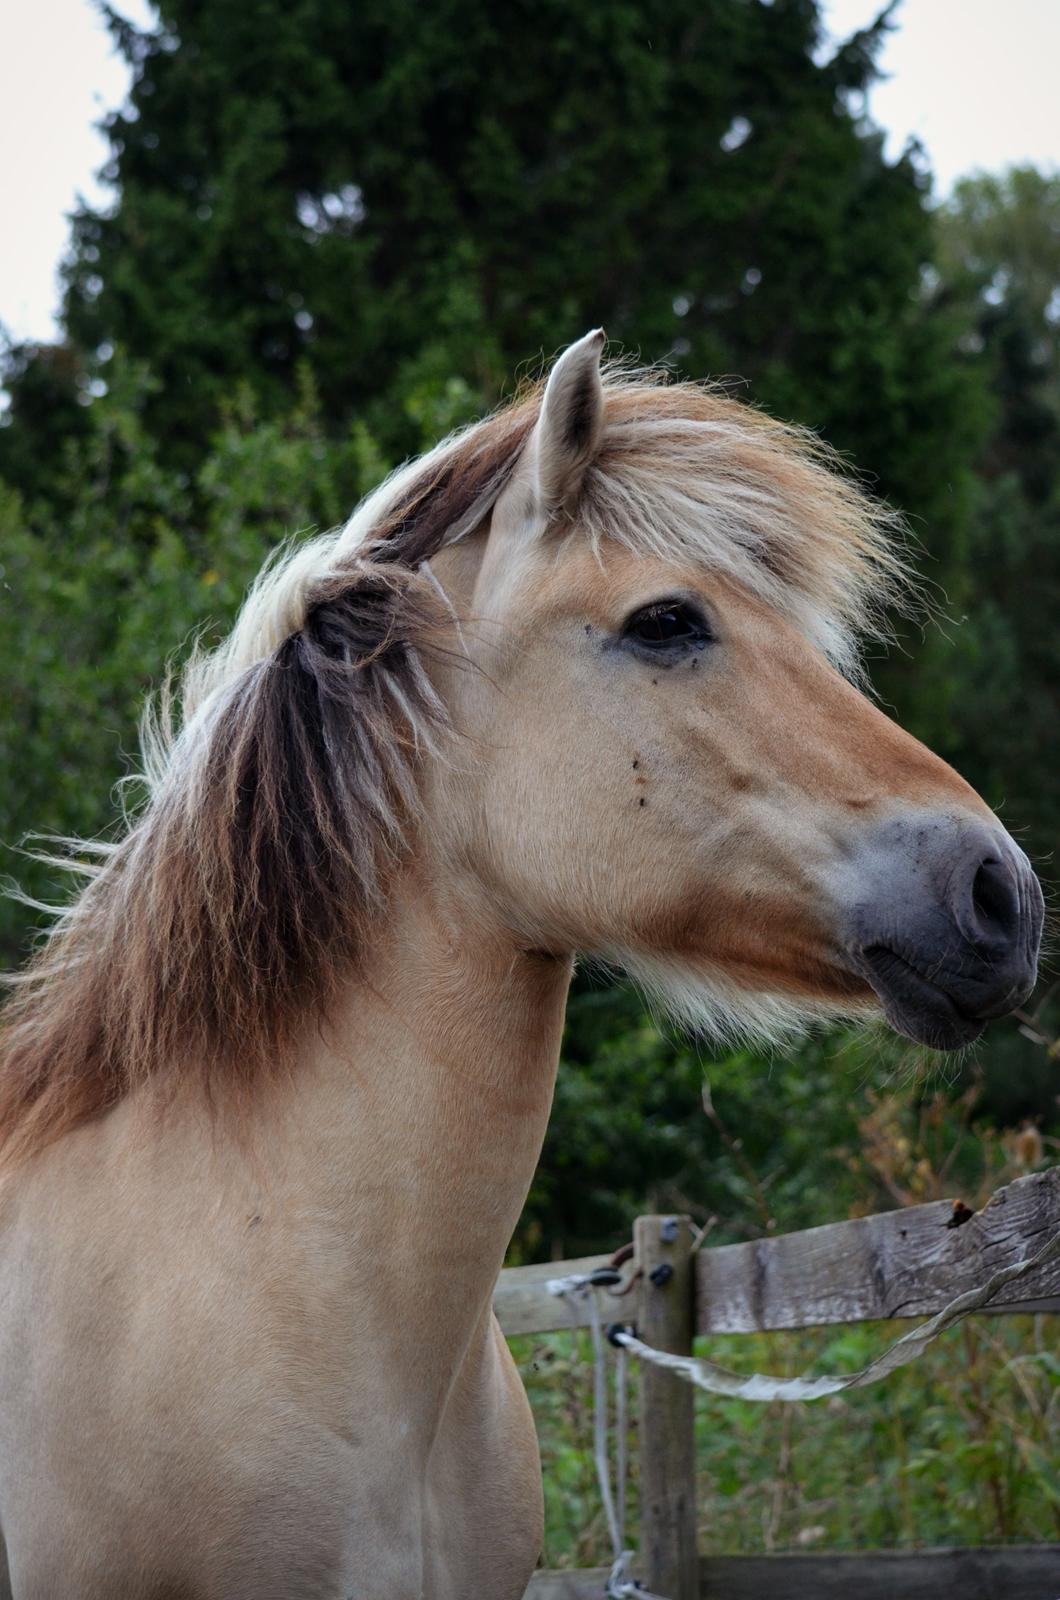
(1030, 1023)
(965, 1103)
(978, 1413)
(781, 1484)
(735, 1146)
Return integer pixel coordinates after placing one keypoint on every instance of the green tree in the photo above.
(1000, 255)
(47, 415)
(399, 194)
(1000, 238)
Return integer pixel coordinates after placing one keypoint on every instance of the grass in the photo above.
(961, 1448)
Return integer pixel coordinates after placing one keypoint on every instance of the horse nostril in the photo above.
(945, 924)
(995, 899)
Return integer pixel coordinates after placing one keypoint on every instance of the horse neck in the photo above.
(423, 1108)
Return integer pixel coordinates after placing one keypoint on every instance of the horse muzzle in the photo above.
(944, 924)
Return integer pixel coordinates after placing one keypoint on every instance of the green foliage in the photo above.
(996, 712)
(95, 602)
(1000, 239)
(957, 1449)
(47, 414)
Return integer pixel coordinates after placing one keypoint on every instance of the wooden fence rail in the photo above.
(902, 1264)
(1010, 1572)
(898, 1264)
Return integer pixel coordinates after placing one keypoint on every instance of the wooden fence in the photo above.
(907, 1263)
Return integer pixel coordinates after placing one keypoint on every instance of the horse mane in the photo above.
(284, 796)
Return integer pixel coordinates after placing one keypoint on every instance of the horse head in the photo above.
(674, 768)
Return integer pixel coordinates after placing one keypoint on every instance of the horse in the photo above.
(582, 680)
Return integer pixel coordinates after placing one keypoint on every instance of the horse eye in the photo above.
(665, 624)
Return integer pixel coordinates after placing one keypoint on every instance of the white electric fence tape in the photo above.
(716, 1379)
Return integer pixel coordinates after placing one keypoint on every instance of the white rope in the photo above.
(621, 1430)
(576, 1283)
(612, 1504)
(620, 1584)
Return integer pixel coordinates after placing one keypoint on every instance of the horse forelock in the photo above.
(243, 895)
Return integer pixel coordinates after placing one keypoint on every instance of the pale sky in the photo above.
(973, 79)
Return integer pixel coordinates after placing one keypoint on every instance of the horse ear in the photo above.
(567, 433)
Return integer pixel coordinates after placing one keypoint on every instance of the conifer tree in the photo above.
(399, 194)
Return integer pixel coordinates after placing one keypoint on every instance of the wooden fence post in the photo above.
(668, 1553)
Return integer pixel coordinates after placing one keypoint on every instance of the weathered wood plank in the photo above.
(1028, 1572)
(524, 1305)
(667, 1477)
(1014, 1572)
(585, 1584)
(897, 1264)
